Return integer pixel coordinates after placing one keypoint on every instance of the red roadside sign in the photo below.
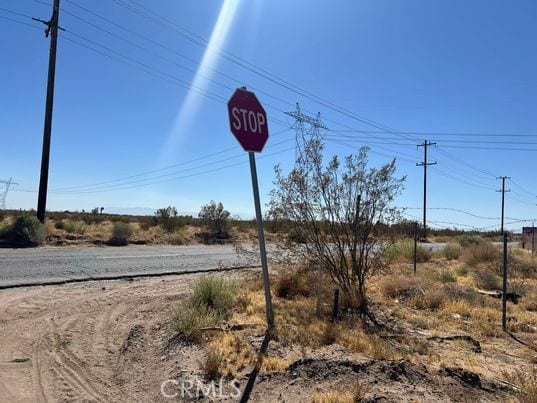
(248, 120)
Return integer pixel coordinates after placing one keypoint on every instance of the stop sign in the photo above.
(248, 120)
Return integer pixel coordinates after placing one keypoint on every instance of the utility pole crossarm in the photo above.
(425, 164)
(503, 191)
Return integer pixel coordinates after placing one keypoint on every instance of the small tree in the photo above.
(167, 218)
(340, 212)
(216, 218)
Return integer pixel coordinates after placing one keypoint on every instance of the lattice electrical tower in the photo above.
(3, 192)
(304, 135)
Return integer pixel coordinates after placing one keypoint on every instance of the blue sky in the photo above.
(388, 74)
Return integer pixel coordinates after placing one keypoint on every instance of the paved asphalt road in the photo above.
(30, 266)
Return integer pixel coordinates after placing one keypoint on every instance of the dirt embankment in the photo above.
(109, 341)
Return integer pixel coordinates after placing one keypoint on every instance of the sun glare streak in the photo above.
(192, 101)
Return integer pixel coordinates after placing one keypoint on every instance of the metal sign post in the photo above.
(261, 237)
(248, 123)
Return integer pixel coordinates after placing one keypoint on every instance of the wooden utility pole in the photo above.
(502, 190)
(424, 164)
(52, 30)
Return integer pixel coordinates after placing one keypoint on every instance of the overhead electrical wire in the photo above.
(384, 128)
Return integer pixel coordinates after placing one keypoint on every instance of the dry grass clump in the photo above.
(452, 251)
(484, 252)
(522, 266)
(211, 365)
(432, 299)
(526, 383)
(403, 287)
(292, 284)
(469, 240)
(486, 278)
(333, 397)
(404, 251)
(210, 303)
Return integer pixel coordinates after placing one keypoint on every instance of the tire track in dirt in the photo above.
(70, 340)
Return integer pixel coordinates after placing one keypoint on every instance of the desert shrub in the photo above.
(189, 319)
(329, 335)
(168, 219)
(344, 203)
(121, 232)
(518, 286)
(446, 276)
(70, 226)
(177, 239)
(452, 251)
(2, 215)
(292, 284)
(212, 364)
(400, 287)
(469, 240)
(294, 235)
(216, 218)
(484, 252)
(210, 303)
(432, 299)
(522, 267)
(462, 270)
(404, 250)
(25, 231)
(486, 278)
(454, 292)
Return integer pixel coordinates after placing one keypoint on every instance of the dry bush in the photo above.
(400, 287)
(522, 266)
(467, 240)
(210, 303)
(404, 251)
(329, 335)
(432, 299)
(292, 284)
(486, 278)
(446, 276)
(484, 252)
(333, 397)
(518, 286)
(211, 365)
(121, 232)
(454, 291)
(526, 383)
(452, 251)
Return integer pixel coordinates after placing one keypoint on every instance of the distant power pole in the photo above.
(3, 195)
(424, 164)
(503, 178)
(52, 30)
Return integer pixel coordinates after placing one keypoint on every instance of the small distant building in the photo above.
(528, 237)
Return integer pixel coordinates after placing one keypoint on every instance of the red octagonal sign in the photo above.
(248, 120)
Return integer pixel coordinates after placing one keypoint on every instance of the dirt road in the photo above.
(81, 342)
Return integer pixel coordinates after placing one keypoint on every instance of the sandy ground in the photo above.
(109, 341)
(80, 342)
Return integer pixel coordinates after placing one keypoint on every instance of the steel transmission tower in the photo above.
(3, 195)
(301, 137)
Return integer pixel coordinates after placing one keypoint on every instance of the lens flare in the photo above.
(192, 102)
